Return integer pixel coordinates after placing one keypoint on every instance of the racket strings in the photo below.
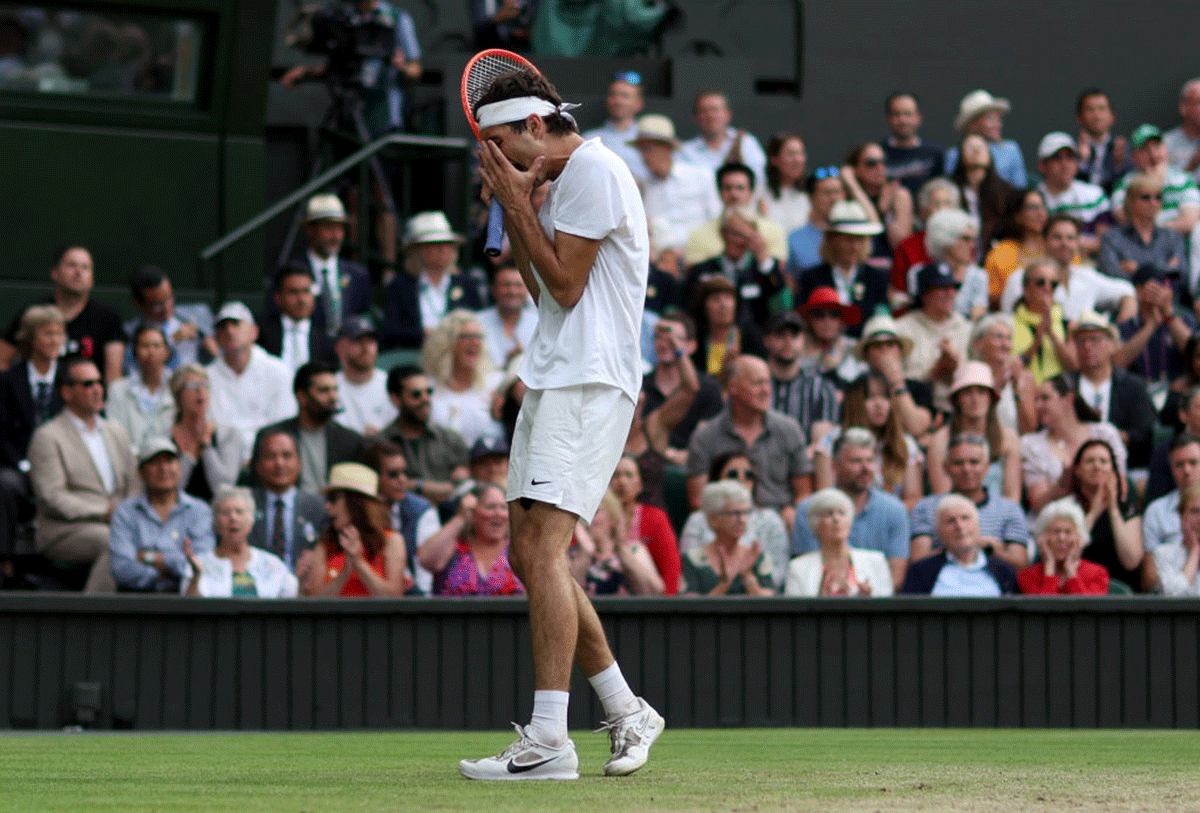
(486, 71)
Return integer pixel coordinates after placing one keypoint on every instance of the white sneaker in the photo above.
(631, 737)
(525, 759)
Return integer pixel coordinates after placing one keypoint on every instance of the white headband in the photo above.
(519, 109)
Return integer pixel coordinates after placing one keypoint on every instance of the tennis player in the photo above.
(584, 257)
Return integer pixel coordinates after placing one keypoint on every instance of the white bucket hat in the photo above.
(325, 207)
(430, 227)
(975, 103)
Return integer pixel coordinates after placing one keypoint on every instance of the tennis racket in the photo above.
(477, 77)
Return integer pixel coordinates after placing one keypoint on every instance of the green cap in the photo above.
(1143, 134)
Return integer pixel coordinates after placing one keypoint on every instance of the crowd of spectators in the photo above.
(917, 370)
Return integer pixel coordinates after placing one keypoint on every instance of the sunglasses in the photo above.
(825, 314)
(89, 382)
(418, 393)
(740, 474)
(872, 162)
(1044, 282)
(821, 173)
(1150, 196)
(628, 77)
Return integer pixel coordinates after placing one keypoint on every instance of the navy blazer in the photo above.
(402, 307)
(18, 413)
(1130, 410)
(868, 291)
(320, 343)
(342, 445)
(308, 523)
(922, 574)
(356, 291)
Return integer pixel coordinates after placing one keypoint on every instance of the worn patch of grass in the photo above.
(702, 770)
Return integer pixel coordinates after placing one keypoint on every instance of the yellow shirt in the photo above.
(1043, 362)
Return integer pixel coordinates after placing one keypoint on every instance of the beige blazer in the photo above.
(66, 482)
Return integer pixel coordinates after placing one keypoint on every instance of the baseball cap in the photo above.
(1053, 142)
(1143, 134)
(155, 446)
(356, 326)
(487, 446)
(236, 311)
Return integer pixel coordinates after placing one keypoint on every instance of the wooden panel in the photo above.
(276, 665)
(1059, 676)
(1110, 688)
(1160, 670)
(153, 650)
(958, 671)
(982, 671)
(1033, 671)
(301, 637)
(202, 662)
(1009, 647)
(756, 657)
(1134, 665)
(831, 686)
(227, 681)
(401, 680)
(729, 665)
(327, 660)
(51, 694)
(355, 660)
(1085, 667)
(1187, 715)
(783, 667)
(932, 671)
(706, 696)
(881, 646)
(679, 707)
(807, 656)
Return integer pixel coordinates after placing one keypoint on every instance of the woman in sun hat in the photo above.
(359, 554)
(844, 249)
(981, 113)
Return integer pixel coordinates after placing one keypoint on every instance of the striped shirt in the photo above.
(1083, 201)
(1178, 190)
(807, 398)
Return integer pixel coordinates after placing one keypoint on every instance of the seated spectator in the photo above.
(1188, 416)
(671, 380)
(142, 403)
(678, 196)
(322, 442)
(1177, 561)
(1103, 155)
(1046, 456)
(508, 325)
(992, 343)
(890, 203)
(1183, 142)
(1180, 204)
(1118, 396)
(720, 334)
(28, 398)
(287, 519)
(980, 113)
(93, 328)
(748, 425)
(1160, 520)
(359, 554)
(413, 517)
(936, 195)
(1001, 520)
(884, 350)
(1080, 287)
(909, 159)
(416, 300)
(1114, 531)
(148, 532)
(984, 192)
(188, 328)
(951, 237)
(1019, 240)
(898, 459)
(80, 468)
(973, 411)
(235, 568)
(248, 387)
(647, 524)
(622, 104)
(836, 569)
(289, 330)
(1142, 239)
(961, 568)
(469, 556)
(1154, 337)
(1039, 328)
(785, 201)
(939, 333)
(1058, 161)
(1062, 570)
(825, 190)
(719, 142)
(808, 397)
(437, 456)
(763, 524)
(724, 567)
(735, 188)
(343, 287)
(616, 564)
(1169, 414)
(844, 250)
(825, 349)
(743, 257)
(458, 361)
(210, 453)
(362, 387)
(880, 520)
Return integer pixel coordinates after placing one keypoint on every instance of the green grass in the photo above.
(704, 770)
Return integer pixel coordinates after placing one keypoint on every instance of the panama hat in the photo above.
(654, 127)
(430, 227)
(353, 477)
(1090, 320)
(849, 217)
(325, 207)
(976, 103)
(882, 328)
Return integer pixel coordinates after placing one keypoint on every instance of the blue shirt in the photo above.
(804, 246)
(955, 579)
(1006, 156)
(882, 525)
(136, 526)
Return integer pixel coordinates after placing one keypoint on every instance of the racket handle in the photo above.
(495, 229)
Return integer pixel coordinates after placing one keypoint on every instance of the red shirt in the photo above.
(909, 253)
(1090, 580)
(652, 528)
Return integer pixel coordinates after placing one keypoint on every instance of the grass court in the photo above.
(689, 770)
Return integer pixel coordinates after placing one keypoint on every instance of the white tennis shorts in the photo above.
(566, 445)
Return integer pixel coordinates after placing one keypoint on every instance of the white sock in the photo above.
(549, 723)
(614, 693)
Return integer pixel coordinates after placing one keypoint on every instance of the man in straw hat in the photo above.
(980, 113)
(677, 196)
(844, 249)
(584, 256)
(885, 349)
(343, 288)
(415, 302)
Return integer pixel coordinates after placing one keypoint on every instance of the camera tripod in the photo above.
(346, 108)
